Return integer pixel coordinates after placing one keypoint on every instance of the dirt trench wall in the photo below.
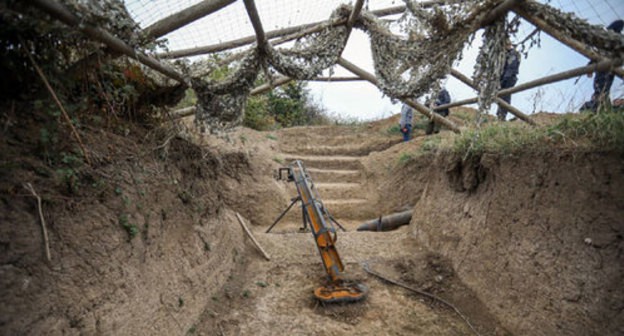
(102, 281)
(539, 238)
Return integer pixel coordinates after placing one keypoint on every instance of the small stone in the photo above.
(438, 278)
(588, 241)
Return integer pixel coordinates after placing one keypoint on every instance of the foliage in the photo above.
(131, 229)
(286, 106)
(257, 114)
(394, 130)
(602, 131)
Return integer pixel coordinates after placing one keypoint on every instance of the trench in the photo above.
(276, 295)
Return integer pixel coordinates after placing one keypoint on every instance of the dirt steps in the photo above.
(326, 162)
(320, 175)
(333, 157)
(339, 190)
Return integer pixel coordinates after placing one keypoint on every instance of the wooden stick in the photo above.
(423, 293)
(184, 17)
(413, 104)
(44, 231)
(58, 103)
(246, 229)
(499, 101)
(115, 44)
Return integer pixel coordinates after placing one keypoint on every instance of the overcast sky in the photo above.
(364, 101)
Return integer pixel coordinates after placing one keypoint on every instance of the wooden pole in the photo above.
(336, 79)
(572, 43)
(498, 11)
(230, 44)
(457, 103)
(499, 101)
(250, 235)
(414, 104)
(269, 86)
(252, 11)
(184, 17)
(602, 66)
(355, 13)
(62, 14)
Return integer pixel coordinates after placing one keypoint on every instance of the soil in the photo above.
(522, 245)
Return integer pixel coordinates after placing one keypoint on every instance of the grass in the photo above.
(393, 130)
(602, 131)
(405, 158)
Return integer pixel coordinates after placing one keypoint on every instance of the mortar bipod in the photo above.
(294, 200)
(325, 237)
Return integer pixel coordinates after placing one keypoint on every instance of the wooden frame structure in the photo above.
(175, 21)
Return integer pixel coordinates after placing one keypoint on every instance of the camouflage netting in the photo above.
(489, 65)
(109, 15)
(605, 42)
(402, 62)
(408, 63)
(220, 103)
(410, 54)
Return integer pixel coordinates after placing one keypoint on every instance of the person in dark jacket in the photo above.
(603, 80)
(509, 76)
(405, 123)
(443, 98)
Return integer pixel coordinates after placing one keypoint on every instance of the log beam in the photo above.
(499, 101)
(60, 13)
(184, 17)
(412, 103)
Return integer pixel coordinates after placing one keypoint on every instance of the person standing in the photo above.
(603, 80)
(443, 98)
(509, 76)
(406, 121)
